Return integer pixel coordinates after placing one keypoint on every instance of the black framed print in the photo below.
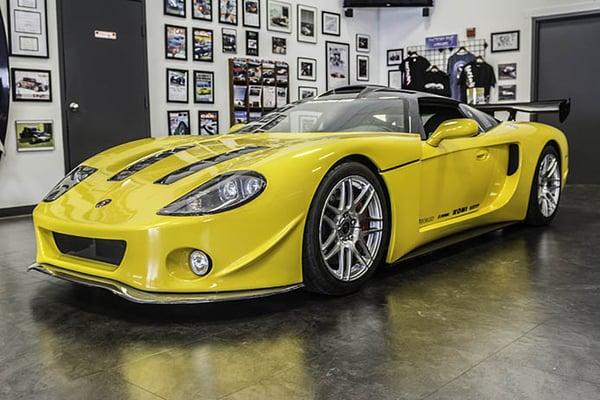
(279, 16)
(175, 8)
(176, 42)
(506, 41)
(208, 122)
(177, 85)
(31, 85)
(363, 43)
(203, 44)
(179, 122)
(251, 13)
(395, 78)
(395, 57)
(35, 135)
(204, 87)
(305, 92)
(307, 24)
(27, 28)
(229, 40)
(252, 43)
(362, 68)
(228, 12)
(330, 23)
(202, 10)
(337, 56)
(307, 69)
(279, 45)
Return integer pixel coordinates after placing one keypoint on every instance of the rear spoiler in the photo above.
(562, 107)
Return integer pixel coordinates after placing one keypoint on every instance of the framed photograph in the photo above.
(31, 85)
(330, 23)
(229, 40)
(363, 43)
(27, 28)
(505, 41)
(279, 45)
(176, 42)
(507, 71)
(507, 92)
(34, 135)
(307, 24)
(395, 78)
(208, 122)
(228, 12)
(362, 68)
(251, 13)
(177, 85)
(307, 69)
(395, 57)
(252, 43)
(203, 45)
(175, 8)
(179, 122)
(279, 16)
(337, 67)
(304, 92)
(202, 10)
(204, 87)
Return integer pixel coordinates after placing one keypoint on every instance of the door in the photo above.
(104, 75)
(566, 60)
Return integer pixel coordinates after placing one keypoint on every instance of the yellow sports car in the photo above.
(316, 194)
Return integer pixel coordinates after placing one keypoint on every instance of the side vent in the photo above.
(513, 159)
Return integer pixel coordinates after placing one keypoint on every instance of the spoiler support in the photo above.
(562, 107)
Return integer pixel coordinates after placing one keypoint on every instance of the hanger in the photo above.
(480, 60)
(462, 50)
(434, 68)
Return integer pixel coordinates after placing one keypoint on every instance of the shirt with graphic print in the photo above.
(413, 70)
(456, 64)
(477, 74)
(437, 82)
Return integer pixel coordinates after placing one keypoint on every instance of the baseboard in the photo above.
(16, 211)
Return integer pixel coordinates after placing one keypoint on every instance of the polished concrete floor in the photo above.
(510, 315)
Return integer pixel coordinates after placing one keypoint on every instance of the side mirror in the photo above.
(454, 128)
(236, 128)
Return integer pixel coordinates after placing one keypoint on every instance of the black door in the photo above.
(566, 60)
(104, 75)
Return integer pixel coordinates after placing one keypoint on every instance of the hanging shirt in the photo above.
(413, 70)
(456, 63)
(477, 75)
(437, 82)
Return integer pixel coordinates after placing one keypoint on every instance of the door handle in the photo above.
(482, 155)
(74, 107)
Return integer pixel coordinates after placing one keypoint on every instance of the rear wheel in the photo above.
(545, 189)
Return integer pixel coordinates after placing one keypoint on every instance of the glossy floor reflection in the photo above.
(511, 315)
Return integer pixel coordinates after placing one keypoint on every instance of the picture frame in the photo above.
(203, 42)
(202, 10)
(175, 8)
(37, 135)
(27, 28)
(31, 85)
(228, 12)
(362, 68)
(175, 42)
(507, 92)
(330, 23)
(252, 43)
(394, 57)
(178, 122)
(251, 13)
(363, 43)
(306, 92)
(204, 87)
(394, 78)
(279, 45)
(505, 41)
(279, 16)
(337, 64)
(229, 40)
(307, 69)
(306, 24)
(208, 122)
(177, 85)
(507, 71)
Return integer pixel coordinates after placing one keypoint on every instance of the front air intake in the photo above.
(103, 250)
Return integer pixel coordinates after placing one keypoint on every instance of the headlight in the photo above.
(69, 181)
(219, 194)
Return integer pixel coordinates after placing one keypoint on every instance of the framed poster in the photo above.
(27, 28)
(34, 135)
(229, 40)
(203, 44)
(337, 57)
(307, 24)
(202, 10)
(31, 85)
(305, 92)
(175, 8)
(507, 92)
(208, 122)
(177, 86)
(279, 16)
(252, 43)
(505, 41)
(228, 12)
(251, 13)
(395, 78)
(330, 23)
(362, 68)
(395, 57)
(279, 45)
(307, 69)
(363, 43)
(507, 71)
(204, 87)
(176, 42)
(179, 122)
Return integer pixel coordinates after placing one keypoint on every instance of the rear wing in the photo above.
(562, 107)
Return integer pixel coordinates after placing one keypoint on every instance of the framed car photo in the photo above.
(34, 135)
(307, 24)
(229, 40)
(179, 122)
(505, 41)
(175, 42)
(304, 92)
(279, 45)
(279, 16)
(395, 57)
(228, 12)
(307, 69)
(330, 23)
(31, 85)
(203, 45)
(202, 10)
(252, 43)
(204, 87)
(177, 86)
(251, 13)
(208, 122)
(337, 57)
(175, 8)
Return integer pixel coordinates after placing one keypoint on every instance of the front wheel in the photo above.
(545, 189)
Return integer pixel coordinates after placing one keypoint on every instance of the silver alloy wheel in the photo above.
(351, 228)
(548, 185)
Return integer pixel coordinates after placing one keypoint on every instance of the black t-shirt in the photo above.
(477, 75)
(437, 82)
(413, 70)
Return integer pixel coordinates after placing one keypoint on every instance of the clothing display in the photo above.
(477, 77)
(413, 70)
(437, 82)
(456, 63)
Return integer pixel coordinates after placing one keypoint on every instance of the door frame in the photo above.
(63, 84)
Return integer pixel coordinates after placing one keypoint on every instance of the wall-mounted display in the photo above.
(228, 12)
(28, 28)
(177, 86)
(337, 56)
(252, 43)
(279, 45)
(395, 78)
(176, 42)
(505, 41)
(175, 8)
(240, 117)
(363, 43)
(304, 92)
(202, 9)
(229, 40)
(269, 97)
(507, 92)
(31, 85)
(268, 73)
(307, 69)
(330, 23)
(279, 16)
(34, 135)
(507, 71)
(307, 24)
(208, 122)
(203, 45)
(204, 87)
(395, 57)
(282, 96)
(251, 13)
(179, 122)
(362, 68)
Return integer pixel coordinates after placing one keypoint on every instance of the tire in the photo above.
(360, 231)
(544, 197)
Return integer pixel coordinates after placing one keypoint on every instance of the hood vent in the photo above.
(203, 164)
(146, 162)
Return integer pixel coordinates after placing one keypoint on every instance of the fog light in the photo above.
(199, 263)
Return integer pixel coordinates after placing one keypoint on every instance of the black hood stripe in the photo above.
(146, 162)
(206, 163)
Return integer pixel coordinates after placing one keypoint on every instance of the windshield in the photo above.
(339, 115)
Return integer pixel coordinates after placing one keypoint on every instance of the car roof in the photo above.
(377, 91)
